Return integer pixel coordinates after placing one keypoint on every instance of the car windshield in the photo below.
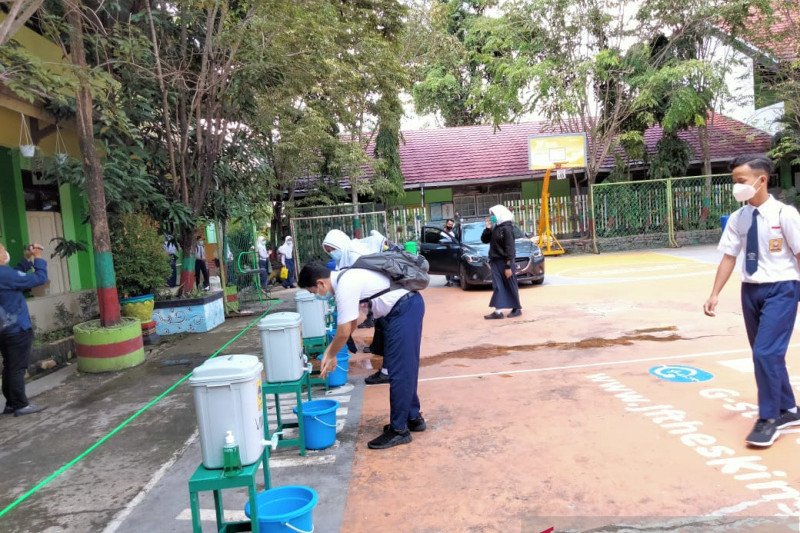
(471, 232)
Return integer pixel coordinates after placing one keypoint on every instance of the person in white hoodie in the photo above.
(345, 251)
(286, 252)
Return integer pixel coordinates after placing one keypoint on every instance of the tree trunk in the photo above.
(107, 297)
(188, 245)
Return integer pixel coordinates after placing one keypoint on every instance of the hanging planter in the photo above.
(26, 146)
(61, 154)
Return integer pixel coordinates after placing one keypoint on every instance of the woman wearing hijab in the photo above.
(286, 252)
(499, 235)
(342, 249)
(344, 252)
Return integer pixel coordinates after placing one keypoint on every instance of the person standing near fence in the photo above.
(499, 235)
(264, 266)
(200, 266)
(769, 233)
(286, 252)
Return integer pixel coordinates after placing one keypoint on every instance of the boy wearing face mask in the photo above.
(769, 233)
(403, 312)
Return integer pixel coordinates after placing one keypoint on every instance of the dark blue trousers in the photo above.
(402, 339)
(16, 351)
(290, 270)
(769, 312)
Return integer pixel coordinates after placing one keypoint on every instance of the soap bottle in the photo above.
(232, 462)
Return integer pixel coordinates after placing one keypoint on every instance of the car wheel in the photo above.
(462, 279)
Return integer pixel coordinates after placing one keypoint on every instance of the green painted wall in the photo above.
(533, 189)
(74, 212)
(412, 198)
(438, 195)
(12, 203)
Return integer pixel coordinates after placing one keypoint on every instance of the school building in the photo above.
(33, 209)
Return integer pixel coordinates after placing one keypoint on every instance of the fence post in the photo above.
(592, 219)
(670, 216)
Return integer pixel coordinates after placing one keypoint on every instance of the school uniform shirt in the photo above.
(359, 284)
(778, 240)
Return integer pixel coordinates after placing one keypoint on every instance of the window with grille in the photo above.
(484, 202)
(464, 205)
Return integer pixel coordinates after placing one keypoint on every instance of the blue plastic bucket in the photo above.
(319, 423)
(338, 376)
(285, 509)
(723, 221)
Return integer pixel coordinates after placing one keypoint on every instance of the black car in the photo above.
(468, 258)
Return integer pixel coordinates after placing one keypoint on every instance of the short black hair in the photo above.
(449, 220)
(311, 273)
(754, 161)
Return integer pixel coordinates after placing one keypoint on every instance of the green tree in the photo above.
(471, 64)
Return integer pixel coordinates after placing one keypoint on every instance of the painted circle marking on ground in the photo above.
(680, 373)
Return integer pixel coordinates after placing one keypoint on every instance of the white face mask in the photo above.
(744, 192)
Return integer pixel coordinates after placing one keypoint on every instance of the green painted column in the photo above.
(785, 170)
(12, 204)
(74, 216)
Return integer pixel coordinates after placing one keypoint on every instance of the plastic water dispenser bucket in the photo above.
(319, 423)
(338, 376)
(285, 509)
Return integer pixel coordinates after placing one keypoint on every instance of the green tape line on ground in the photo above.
(127, 421)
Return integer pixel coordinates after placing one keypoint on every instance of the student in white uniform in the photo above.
(769, 233)
(403, 312)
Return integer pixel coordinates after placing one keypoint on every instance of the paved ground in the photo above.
(568, 416)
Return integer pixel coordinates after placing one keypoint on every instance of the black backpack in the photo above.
(404, 270)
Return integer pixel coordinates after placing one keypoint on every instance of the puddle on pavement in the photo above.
(486, 351)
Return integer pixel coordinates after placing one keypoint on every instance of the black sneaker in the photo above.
(493, 316)
(29, 409)
(515, 313)
(416, 425)
(764, 433)
(389, 439)
(378, 378)
(788, 419)
(8, 410)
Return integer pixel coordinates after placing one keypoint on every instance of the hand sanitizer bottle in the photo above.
(232, 462)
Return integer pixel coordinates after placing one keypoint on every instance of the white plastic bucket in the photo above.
(312, 312)
(282, 347)
(227, 397)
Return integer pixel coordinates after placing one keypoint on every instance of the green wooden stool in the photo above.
(314, 345)
(204, 479)
(276, 389)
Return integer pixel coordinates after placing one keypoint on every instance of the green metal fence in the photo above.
(661, 208)
(241, 266)
(308, 232)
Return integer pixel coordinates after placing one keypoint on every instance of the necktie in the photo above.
(751, 252)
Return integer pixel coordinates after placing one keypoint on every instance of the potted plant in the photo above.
(141, 266)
